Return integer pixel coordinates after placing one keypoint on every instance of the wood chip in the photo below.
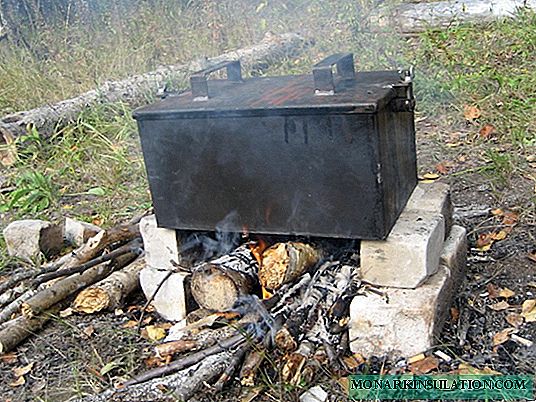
(443, 356)
(425, 365)
(354, 361)
(416, 358)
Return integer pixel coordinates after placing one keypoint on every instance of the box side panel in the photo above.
(308, 175)
(398, 161)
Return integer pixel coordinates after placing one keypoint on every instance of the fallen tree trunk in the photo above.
(218, 284)
(109, 293)
(134, 90)
(412, 18)
(284, 262)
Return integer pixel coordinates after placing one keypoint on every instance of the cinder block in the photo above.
(409, 255)
(170, 301)
(77, 232)
(28, 238)
(405, 322)
(160, 244)
(434, 198)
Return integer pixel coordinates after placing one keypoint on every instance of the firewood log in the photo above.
(295, 362)
(109, 293)
(284, 262)
(252, 363)
(218, 284)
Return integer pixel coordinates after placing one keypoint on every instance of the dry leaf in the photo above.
(154, 361)
(18, 382)
(532, 256)
(471, 112)
(424, 366)
(154, 333)
(514, 319)
(89, 330)
(503, 305)
(484, 241)
(130, 324)
(465, 368)
(492, 291)
(9, 358)
(443, 167)
(510, 218)
(454, 314)
(506, 293)
(497, 212)
(528, 310)
(344, 383)
(502, 336)
(501, 235)
(486, 131)
(8, 150)
(20, 371)
(97, 221)
(430, 176)
(354, 361)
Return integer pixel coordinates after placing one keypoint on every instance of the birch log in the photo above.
(412, 18)
(218, 284)
(109, 293)
(136, 89)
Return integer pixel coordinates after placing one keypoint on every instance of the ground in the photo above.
(476, 130)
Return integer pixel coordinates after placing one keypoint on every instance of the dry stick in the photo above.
(190, 359)
(231, 368)
(132, 247)
(150, 300)
(14, 306)
(17, 277)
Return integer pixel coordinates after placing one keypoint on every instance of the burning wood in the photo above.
(218, 284)
(284, 262)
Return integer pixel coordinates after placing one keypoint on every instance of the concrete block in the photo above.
(170, 301)
(160, 244)
(77, 232)
(406, 322)
(409, 255)
(28, 238)
(434, 198)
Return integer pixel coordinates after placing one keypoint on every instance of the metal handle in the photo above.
(198, 80)
(323, 72)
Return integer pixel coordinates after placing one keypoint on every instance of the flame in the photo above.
(257, 248)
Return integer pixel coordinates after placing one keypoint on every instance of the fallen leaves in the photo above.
(428, 177)
(503, 305)
(20, 372)
(501, 337)
(9, 358)
(528, 310)
(425, 365)
(508, 219)
(486, 131)
(471, 112)
(531, 255)
(18, 382)
(514, 319)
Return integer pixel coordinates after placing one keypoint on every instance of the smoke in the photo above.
(210, 245)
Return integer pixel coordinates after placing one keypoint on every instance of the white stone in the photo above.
(160, 244)
(405, 322)
(28, 238)
(170, 301)
(409, 255)
(434, 198)
(77, 232)
(314, 394)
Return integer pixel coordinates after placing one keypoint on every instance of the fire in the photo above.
(257, 248)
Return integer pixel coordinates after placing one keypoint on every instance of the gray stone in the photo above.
(77, 232)
(160, 244)
(434, 198)
(28, 238)
(170, 301)
(405, 322)
(409, 255)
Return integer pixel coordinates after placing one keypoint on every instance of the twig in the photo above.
(150, 300)
(231, 368)
(132, 247)
(190, 359)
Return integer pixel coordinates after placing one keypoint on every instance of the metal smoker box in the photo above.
(329, 154)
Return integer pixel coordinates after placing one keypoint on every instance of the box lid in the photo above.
(320, 92)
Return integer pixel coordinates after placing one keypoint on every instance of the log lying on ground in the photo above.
(284, 262)
(20, 328)
(218, 284)
(417, 17)
(136, 89)
(109, 293)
